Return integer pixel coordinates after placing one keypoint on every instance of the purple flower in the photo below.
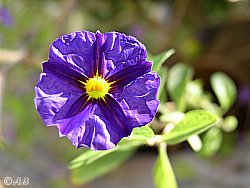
(5, 17)
(96, 88)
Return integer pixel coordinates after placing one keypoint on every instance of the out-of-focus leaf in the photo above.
(194, 122)
(230, 123)
(228, 144)
(224, 89)
(162, 93)
(178, 77)
(163, 174)
(212, 141)
(174, 117)
(195, 88)
(159, 59)
(195, 94)
(108, 161)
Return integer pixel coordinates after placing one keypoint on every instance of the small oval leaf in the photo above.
(159, 59)
(178, 77)
(224, 89)
(212, 142)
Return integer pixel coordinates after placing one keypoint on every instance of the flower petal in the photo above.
(73, 107)
(113, 112)
(65, 74)
(75, 50)
(68, 126)
(129, 74)
(95, 134)
(99, 129)
(121, 48)
(99, 60)
(51, 84)
(121, 52)
(91, 128)
(48, 105)
(138, 99)
(51, 95)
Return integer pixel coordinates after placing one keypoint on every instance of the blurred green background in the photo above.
(209, 35)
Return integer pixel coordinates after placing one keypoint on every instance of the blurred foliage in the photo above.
(191, 95)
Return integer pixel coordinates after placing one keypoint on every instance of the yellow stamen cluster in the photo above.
(97, 87)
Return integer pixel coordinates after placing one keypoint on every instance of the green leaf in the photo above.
(212, 141)
(86, 157)
(194, 122)
(159, 59)
(178, 77)
(224, 89)
(108, 161)
(139, 136)
(162, 93)
(163, 174)
(142, 133)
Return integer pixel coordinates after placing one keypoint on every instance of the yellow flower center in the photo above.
(97, 87)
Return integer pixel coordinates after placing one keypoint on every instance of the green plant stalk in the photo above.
(164, 176)
(167, 164)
